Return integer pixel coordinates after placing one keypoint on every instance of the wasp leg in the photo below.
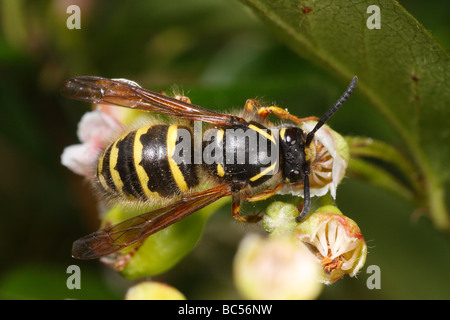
(307, 197)
(251, 105)
(236, 210)
(182, 98)
(265, 194)
(120, 261)
(283, 114)
(252, 108)
(177, 96)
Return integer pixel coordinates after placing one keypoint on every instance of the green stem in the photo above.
(379, 177)
(361, 147)
(428, 193)
(436, 201)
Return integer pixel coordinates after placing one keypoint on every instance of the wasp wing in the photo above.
(137, 229)
(128, 94)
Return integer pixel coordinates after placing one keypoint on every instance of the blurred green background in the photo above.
(220, 55)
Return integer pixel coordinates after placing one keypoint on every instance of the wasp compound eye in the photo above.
(292, 136)
(295, 176)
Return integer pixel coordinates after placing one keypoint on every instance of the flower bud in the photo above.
(275, 268)
(335, 240)
(280, 218)
(152, 290)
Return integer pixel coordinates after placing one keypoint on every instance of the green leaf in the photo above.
(402, 70)
(163, 250)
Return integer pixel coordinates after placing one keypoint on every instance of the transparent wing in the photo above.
(137, 229)
(127, 94)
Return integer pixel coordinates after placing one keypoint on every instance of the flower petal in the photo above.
(336, 241)
(76, 158)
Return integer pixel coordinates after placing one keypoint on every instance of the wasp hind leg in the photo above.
(182, 98)
(251, 105)
(263, 195)
(177, 94)
(236, 211)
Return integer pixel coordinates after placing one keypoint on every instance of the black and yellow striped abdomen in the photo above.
(146, 163)
(140, 165)
(248, 154)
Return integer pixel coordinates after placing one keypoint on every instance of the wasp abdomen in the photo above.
(140, 165)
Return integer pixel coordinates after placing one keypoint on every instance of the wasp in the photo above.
(148, 163)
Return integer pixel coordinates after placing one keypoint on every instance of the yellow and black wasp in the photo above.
(241, 155)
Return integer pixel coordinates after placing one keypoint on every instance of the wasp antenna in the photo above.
(332, 110)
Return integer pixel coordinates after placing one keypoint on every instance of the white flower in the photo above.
(336, 241)
(95, 130)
